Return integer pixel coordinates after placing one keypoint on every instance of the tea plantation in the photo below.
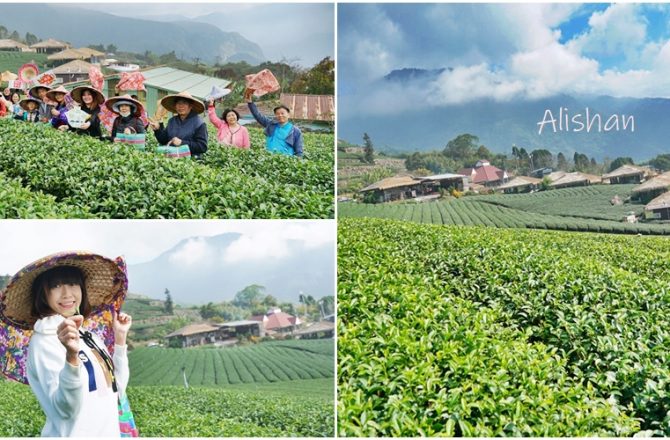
(48, 174)
(275, 389)
(585, 209)
(474, 331)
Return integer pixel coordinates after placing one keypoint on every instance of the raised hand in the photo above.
(122, 323)
(68, 335)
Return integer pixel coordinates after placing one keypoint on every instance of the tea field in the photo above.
(45, 174)
(475, 331)
(273, 389)
(259, 363)
(586, 209)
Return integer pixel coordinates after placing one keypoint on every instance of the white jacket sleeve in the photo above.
(121, 370)
(56, 384)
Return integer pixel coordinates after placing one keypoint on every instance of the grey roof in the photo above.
(443, 176)
(238, 323)
(175, 81)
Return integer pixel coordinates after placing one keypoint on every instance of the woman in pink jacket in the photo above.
(231, 133)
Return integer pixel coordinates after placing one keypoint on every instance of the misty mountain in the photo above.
(82, 27)
(195, 273)
(499, 125)
(305, 47)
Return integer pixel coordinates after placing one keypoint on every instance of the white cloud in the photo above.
(195, 251)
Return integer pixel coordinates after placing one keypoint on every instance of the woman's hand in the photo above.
(122, 323)
(63, 128)
(54, 112)
(248, 94)
(127, 131)
(175, 141)
(154, 125)
(85, 125)
(68, 335)
(210, 103)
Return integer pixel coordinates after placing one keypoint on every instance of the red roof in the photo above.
(483, 174)
(279, 320)
(258, 318)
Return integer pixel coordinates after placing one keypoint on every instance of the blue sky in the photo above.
(500, 51)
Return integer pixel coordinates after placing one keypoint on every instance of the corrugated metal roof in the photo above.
(658, 182)
(310, 107)
(321, 326)
(627, 170)
(193, 329)
(175, 81)
(238, 323)
(11, 44)
(520, 181)
(443, 176)
(50, 43)
(392, 182)
(660, 202)
(76, 66)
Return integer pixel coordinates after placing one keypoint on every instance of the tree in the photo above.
(111, 48)
(319, 80)
(250, 297)
(581, 161)
(169, 306)
(99, 47)
(15, 36)
(562, 162)
(270, 301)
(31, 39)
(619, 162)
(462, 147)
(542, 158)
(369, 149)
(4, 33)
(662, 162)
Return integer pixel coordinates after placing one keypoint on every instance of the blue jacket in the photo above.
(294, 138)
(192, 131)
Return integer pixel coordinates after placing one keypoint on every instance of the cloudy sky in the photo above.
(142, 241)
(500, 51)
(302, 33)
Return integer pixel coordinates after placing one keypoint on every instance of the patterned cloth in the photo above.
(262, 82)
(96, 78)
(131, 81)
(107, 117)
(14, 341)
(126, 419)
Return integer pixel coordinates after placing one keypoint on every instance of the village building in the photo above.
(234, 329)
(277, 322)
(393, 188)
(193, 335)
(483, 173)
(8, 45)
(658, 208)
(50, 46)
(444, 181)
(86, 54)
(628, 174)
(318, 330)
(76, 70)
(652, 188)
(569, 180)
(310, 107)
(520, 184)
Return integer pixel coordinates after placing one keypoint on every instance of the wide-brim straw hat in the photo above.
(24, 103)
(170, 100)
(114, 103)
(33, 90)
(51, 94)
(105, 280)
(78, 91)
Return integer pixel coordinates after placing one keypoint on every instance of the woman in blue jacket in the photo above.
(186, 127)
(282, 136)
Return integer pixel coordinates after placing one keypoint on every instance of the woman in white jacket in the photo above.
(77, 383)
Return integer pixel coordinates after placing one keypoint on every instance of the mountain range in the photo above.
(196, 272)
(82, 27)
(500, 125)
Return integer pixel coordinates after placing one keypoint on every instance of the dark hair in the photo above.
(281, 106)
(228, 110)
(50, 279)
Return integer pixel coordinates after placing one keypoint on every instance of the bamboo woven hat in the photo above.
(24, 103)
(78, 91)
(33, 90)
(105, 281)
(114, 103)
(170, 100)
(51, 94)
